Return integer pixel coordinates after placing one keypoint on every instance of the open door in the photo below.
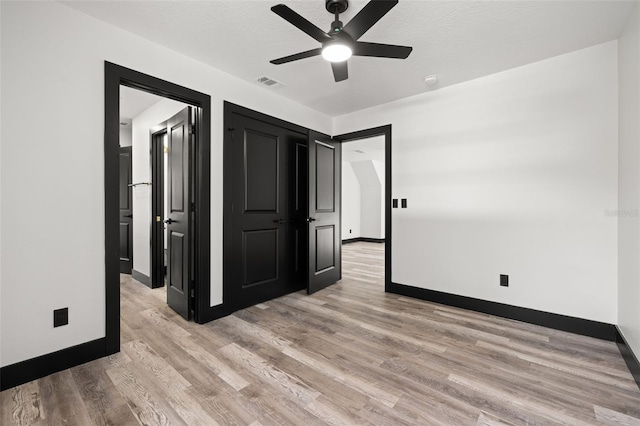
(126, 211)
(325, 257)
(181, 140)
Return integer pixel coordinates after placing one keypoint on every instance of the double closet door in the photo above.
(269, 214)
(285, 211)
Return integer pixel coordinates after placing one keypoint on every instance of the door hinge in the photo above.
(193, 293)
(192, 129)
(193, 207)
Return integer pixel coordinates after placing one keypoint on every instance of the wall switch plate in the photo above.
(504, 280)
(394, 203)
(60, 317)
(404, 203)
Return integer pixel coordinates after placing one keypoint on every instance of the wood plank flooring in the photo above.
(347, 355)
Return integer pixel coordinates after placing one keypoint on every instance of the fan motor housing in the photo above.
(336, 6)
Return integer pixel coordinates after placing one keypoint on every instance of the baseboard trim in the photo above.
(629, 357)
(585, 327)
(363, 239)
(139, 276)
(35, 368)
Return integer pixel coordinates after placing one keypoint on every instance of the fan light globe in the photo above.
(336, 53)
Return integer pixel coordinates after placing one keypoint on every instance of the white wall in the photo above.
(126, 135)
(371, 198)
(510, 174)
(379, 167)
(141, 124)
(53, 221)
(350, 202)
(629, 182)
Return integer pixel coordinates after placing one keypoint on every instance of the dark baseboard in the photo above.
(35, 368)
(585, 327)
(629, 357)
(139, 276)
(363, 239)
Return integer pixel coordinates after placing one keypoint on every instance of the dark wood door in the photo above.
(126, 211)
(263, 223)
(325, 156)
(180, 141)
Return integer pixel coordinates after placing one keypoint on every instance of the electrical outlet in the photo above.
(349, 230)
(60, 317)
(403, 202)
(394, 203)
(504, 280)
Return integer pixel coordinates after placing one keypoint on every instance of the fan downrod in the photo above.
(335, 7)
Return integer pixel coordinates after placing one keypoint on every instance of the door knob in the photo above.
(311, 219)
(170, 221)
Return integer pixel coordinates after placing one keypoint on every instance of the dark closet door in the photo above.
(126, 211)
(325, 156)
(262, 250)
(180, 140)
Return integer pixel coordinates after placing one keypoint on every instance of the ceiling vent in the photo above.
(269, 82)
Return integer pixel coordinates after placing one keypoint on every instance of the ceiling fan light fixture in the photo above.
(336, 52)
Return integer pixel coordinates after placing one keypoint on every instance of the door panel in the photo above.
(325, 250)
(325, 178)
(175, 261)
(181, 139)
(263, 212)
(126, 211)
(177, 159)
(260, 257)
(324, 212)
(261, 152)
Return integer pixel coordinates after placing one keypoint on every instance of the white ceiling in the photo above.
(133, 102)
(364, 149)
(455, 40)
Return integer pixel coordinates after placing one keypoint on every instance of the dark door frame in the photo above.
(157, 205)
(368, 133)
(114, 76)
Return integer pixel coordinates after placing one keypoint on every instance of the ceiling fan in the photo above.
(341, 42)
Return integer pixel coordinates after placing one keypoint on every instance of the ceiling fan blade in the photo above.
(340, 70)
(297, 56)
(378, 50)
(300, 22)
(368, 16)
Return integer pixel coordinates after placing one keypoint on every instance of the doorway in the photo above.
(199, 207)
(363, 210)
(367, 154)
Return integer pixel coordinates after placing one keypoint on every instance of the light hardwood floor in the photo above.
(350, 354)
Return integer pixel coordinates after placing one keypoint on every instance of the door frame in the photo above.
(368, 133)
(114, 77)
(157, 135)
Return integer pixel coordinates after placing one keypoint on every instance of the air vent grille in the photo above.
(269, 82)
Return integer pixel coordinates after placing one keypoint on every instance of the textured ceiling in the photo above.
(456, 40)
